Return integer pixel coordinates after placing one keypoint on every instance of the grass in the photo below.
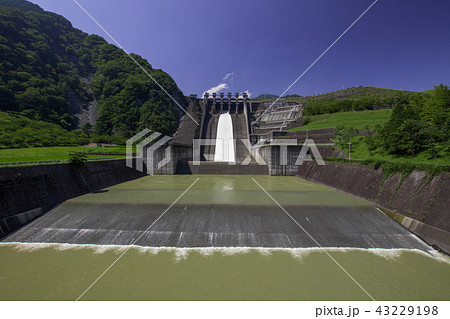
(54, 153)
(359, 120)
(360, 152)
(356, 119)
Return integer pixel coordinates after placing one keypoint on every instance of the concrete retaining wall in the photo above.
(271, 155)
(419, 199)
(188, 167)
(173, 154)
(432, 235)
(27, 192)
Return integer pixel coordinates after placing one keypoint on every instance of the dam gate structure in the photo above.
(230, 127)
(220, 107)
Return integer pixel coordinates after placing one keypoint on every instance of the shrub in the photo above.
(77, 159)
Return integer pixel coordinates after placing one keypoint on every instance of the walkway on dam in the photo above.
(218, 211)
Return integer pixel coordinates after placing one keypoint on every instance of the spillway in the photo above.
(219, 211)
(224, 151)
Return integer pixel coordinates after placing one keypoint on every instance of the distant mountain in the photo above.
(53, 72)
(266, 96)
(273, 96)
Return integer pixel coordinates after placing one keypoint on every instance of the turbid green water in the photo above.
(54, 274)
(221, 189)
(63, 272)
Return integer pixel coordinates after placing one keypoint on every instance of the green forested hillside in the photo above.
(53, 72)
(356, 99)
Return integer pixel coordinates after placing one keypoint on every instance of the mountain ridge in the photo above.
(53, 72)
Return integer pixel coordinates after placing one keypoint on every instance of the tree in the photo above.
(344, 135)
(87, 129)
(436, 109)
(415, 135)
(434, 149)
(370, 143)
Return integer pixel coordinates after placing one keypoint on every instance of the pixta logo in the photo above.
(146, 149)
(226, 151)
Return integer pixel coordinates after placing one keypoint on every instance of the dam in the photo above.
(217, 231)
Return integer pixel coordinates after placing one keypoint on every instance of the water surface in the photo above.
(225, 239)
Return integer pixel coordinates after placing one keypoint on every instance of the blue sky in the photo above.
(267, 44)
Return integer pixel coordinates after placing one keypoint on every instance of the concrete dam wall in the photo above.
(420, 203)
(28, 192)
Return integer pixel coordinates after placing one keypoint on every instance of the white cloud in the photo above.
(217, 89)
(228, 76)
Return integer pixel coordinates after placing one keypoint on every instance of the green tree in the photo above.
(344, 135)
(370, 142)
(434, 149)
(436, 109)
(87, 129)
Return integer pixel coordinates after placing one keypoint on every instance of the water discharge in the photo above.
(225, 148)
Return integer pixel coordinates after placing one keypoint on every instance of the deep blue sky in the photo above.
(267, 44)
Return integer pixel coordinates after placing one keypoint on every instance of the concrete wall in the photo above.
(221, 168)
(419, 199)
(178, 154)
(29, 191)
(271, 154)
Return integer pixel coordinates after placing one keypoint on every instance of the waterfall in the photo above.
(224, 140)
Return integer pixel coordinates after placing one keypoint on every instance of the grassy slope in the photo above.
(53, 153)
(356, 119)
(360, 152)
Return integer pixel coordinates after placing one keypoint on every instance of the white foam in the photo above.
(388, 253)
(183, 253)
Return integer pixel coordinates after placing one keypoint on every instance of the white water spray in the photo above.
(224, 140)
